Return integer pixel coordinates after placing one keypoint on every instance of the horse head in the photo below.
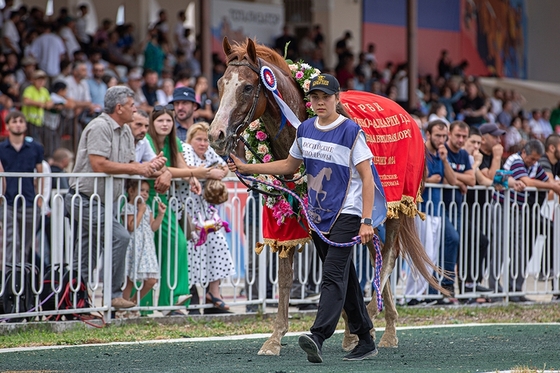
(244, 98)
(241, 96)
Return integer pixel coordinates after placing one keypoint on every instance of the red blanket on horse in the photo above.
(393, 136)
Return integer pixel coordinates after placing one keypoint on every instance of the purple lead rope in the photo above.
(356, 240)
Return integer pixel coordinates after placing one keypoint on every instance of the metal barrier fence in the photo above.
(52, 264)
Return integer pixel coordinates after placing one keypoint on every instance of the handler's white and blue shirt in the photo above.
(330, 154)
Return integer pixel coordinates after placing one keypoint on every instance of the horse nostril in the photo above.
(220, 137)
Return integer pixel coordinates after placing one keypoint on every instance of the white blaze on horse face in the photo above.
(228, 103)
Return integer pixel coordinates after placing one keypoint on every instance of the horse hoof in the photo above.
(348, 343)
(268, 353)
(269, 349)
(389, 342)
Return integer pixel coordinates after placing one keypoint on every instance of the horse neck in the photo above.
(281, 139)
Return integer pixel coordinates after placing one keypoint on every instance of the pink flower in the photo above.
(261, 136)
(299, 75)
(281, 210)
(267, 158)
(308, 105)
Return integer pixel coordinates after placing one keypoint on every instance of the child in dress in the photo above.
(142, 263)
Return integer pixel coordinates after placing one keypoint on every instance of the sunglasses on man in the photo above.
(162, 107)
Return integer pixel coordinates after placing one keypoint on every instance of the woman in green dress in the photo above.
(170, 240)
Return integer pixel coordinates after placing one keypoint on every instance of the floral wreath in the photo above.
(283, 206)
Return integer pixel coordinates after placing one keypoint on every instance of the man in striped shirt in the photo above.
(526, 168)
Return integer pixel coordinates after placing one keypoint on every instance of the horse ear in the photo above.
(226, 46)
(252, 51)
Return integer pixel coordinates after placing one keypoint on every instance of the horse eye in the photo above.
(248, 88)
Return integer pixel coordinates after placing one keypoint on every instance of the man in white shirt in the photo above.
(143, 150)
(139, 127)
(67, 34)
(180, 30)
(81, 26)
(5, 11)
(10, 34)
(49, 50)
(78, 91)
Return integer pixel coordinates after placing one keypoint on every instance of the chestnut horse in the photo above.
(242, 100)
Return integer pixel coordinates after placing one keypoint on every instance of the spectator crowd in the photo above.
(58, 83)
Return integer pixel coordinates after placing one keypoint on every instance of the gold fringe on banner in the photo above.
(283, 248)
(406, 205)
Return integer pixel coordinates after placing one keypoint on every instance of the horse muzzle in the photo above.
(223, 147)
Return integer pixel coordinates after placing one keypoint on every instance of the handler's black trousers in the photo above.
(340, 287)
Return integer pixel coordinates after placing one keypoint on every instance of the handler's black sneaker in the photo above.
(362, 351)
(309, 345)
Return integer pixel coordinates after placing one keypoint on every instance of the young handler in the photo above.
(343, 187)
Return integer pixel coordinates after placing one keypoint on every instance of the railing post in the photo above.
(506, 241)
(108, 247)
(555, 249)
(262, 271)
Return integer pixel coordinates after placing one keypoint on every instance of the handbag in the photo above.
(215, 192)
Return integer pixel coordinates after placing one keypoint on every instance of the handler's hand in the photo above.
(235, 164)
(366, 233)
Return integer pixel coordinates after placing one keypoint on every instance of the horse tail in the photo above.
(413, 251)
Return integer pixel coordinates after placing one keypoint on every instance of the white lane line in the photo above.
(248, 336)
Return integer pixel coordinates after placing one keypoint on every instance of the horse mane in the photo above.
(239, 51)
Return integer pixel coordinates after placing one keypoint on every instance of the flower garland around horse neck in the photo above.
(284, 206)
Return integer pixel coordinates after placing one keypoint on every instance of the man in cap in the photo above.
(185, 103)
(25, 72)
(36, 99)
(491, 149)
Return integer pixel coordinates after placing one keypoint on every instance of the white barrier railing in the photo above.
(57, 281)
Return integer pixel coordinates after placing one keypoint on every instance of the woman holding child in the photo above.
(209, 262)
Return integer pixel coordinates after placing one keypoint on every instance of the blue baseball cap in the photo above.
(185, 94)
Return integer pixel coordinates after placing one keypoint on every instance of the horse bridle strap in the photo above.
(251, 111)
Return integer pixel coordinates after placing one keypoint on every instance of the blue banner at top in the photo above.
(432, 14)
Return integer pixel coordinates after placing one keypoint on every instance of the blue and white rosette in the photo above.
(269, 80)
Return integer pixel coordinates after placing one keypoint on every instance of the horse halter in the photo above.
(251, 111)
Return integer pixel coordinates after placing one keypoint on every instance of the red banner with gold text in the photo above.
(397, 145)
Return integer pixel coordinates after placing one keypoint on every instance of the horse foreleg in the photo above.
(389, 338)
(389, 254)
(285, 278)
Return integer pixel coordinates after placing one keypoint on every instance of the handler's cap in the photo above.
(492, 129)
(325, 83)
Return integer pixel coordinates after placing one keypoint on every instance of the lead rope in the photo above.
(356, 240)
